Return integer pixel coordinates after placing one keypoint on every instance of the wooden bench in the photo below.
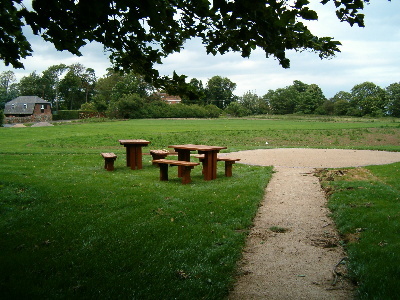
(109, 159)
(228, 163)
(187, 166)
(158, 154)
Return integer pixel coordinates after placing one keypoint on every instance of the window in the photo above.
(12, 106)
(42, 108)
(25, 106)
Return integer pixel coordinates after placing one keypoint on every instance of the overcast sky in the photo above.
(367, 54)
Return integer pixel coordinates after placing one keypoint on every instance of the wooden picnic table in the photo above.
(134, 152)
(210, 157)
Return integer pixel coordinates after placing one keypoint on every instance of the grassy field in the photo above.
(365, 203)
(70, 229)
(237, 134)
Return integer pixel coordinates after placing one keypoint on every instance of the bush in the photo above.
(88, 106)
(192, 111)
(128, 107)
(237, 110)
(341, 108)
(76, 114)
(66, 115)
(213, 111)
(156, 110)
(135, 108)
(1, 118)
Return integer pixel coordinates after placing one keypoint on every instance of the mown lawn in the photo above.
(70, 229)
(365, 203)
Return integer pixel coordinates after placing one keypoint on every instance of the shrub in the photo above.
(341, 108)
(157, 109)
(237, 110)
(1, 118)
(188, 111)
(128, 107)
(134, 107)
(213, 111)
(66, 115)
(88, 106)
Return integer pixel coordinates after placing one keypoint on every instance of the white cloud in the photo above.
(368, 54)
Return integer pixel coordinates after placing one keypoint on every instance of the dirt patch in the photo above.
(356, 174)
(315, 158)
(42, 124)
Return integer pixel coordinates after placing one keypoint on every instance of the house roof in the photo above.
(169, 98)
(23, 105)
(28, 99)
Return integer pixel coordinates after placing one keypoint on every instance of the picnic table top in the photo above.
(197, 147)
(133, 142)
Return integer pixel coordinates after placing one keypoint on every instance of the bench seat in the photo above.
(109, 159)
(158, 154)
(228, 163)
(187, 166)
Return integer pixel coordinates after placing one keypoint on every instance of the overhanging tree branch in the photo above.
(139, 34)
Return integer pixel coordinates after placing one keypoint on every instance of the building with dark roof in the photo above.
(27, 109)
(169, 98)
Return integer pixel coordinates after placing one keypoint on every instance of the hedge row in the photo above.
(76, 114)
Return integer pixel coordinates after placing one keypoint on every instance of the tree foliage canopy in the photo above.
(140, 33)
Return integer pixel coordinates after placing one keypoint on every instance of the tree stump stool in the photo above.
(109, 159)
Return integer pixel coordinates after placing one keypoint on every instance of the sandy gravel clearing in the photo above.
(315, 158)
(301, 261)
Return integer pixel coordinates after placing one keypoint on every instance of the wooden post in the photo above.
(228, 168)
(183, 154)
(186, 174)
(163, 172)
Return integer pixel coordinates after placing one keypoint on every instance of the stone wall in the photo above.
(28, 119)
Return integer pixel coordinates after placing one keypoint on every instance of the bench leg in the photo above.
(186, 174)
(182, 155)
(163, 172)
(228, 168)
(109, 164)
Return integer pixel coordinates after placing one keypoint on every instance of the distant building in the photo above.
(27, 109)
(170, 99)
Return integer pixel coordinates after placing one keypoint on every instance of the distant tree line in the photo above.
(117, 95)
(364, 99)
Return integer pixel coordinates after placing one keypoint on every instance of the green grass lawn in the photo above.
(70, 229)
(237, 134)
(365, 203)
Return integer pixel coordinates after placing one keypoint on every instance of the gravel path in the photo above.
(298, 263)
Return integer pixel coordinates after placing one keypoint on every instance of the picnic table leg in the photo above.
(210, 165)
(213, 164)
(184, 155)
(128, 156)
(202, 165)
(132, 157)
(138, 157)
